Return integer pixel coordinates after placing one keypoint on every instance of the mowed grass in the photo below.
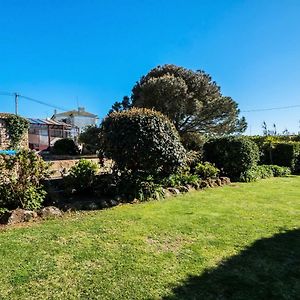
(237, 242)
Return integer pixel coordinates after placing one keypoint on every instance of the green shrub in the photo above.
(142, 141)
(193, 141)
(21, 179)
(176, 180)
(132, 186)
(232, 155)
(65, 147)
(279, 150)
(82, 176)
(264, 171)
(206, 170)
(287, 155)
(280, 171)
(147, 190)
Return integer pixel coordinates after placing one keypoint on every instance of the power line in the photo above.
(272, 108)
(16, 95)
(43, 103)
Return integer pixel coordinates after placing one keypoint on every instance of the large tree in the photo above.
(191, 99)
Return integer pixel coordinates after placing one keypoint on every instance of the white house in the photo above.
(79, 118)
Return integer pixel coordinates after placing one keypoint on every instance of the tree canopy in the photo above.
(191, 99)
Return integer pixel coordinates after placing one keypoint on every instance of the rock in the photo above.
(173, 191)
(192, 188)
(18, 216)
(204, 184)
(113, 202)
(103, 204)
(212, 182)
(225, 180)
(118, 198)
(183, 189)
(167, 194)
(49, 212)
(91, 206)
(218, 182)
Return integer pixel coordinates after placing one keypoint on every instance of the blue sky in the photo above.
(92, 52)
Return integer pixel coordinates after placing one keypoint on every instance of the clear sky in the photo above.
(91, 52)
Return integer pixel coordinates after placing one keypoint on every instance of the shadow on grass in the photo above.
(268, 269)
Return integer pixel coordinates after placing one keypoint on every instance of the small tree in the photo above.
(142, 141)
(90, 138)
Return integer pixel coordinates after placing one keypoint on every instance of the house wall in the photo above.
(81, 122)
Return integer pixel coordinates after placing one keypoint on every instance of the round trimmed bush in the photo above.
(232, 155)
(143, 141)
(65, 147)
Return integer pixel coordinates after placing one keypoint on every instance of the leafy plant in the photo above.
(206, 170)
(176, 180)
(21, 178)
(82, 176)
(16, 127)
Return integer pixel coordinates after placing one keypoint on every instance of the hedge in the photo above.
(232, 155)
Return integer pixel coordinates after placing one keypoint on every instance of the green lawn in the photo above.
(237, 242)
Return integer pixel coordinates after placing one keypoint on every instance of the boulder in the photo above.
(167, 194)
(49, 212)
(204, 184)
(218, 182)
(91, 205)
(183, 189)
(18, 216)
(103, 204)
(173, 191)
(225, 180)
(112, 202)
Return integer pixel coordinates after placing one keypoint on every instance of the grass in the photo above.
(237, 242)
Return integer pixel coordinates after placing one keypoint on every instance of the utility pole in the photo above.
(16, 103)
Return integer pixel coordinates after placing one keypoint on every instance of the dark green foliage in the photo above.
(82, 176)
(287, 155)
(65, 147)
(206, 170)
(125, 104)
(192, 100)
(133, 186)
(193, 141)
(21, 179)
(90, 139)
(232, 155)
(264, 171)
(16, 127)
(142, 141)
